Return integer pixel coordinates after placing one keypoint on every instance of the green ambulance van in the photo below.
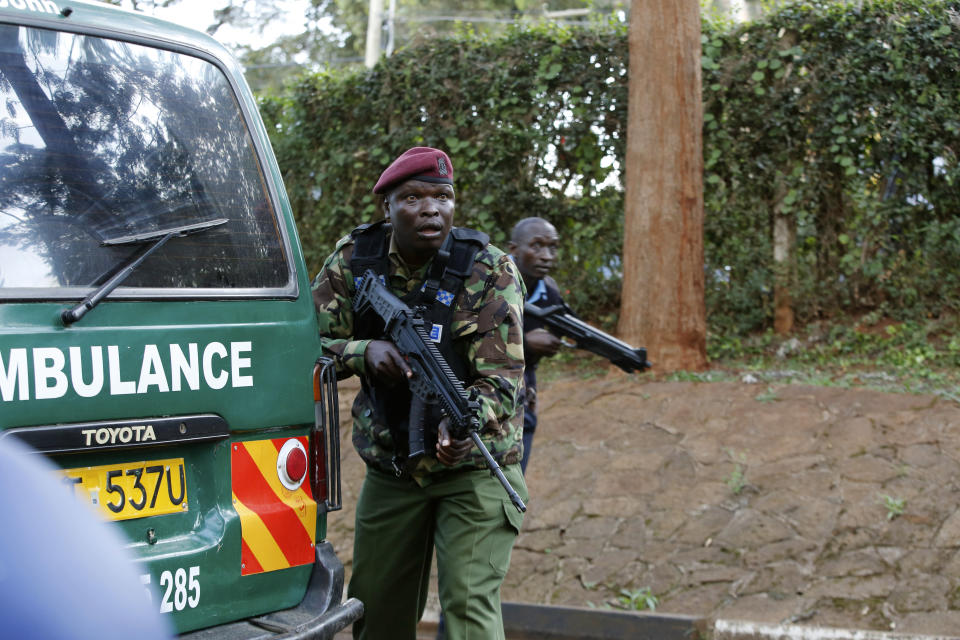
(157, 336)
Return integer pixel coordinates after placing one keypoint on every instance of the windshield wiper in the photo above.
(152, 241)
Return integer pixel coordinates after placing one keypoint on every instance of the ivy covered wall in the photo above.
(839, 122)
(845, 122)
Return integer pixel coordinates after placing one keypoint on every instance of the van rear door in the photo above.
(157, 338)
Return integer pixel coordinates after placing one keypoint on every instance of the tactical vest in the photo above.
(444, 280)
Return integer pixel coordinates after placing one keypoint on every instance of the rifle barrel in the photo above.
(560, 318)
(498, 473)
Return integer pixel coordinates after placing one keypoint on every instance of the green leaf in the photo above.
(553, 71)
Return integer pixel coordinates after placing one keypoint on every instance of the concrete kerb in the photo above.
(524, 621)
(744, 630)
(548, 622)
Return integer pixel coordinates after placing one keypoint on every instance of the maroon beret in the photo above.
(418, 163)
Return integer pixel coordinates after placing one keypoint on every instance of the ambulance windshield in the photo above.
(101, 139)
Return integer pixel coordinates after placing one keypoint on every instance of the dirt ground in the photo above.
(757, 501)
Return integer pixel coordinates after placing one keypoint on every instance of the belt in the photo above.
(398, 470)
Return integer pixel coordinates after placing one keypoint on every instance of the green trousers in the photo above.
(473, 524)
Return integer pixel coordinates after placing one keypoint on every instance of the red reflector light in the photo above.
(296, 465)
(292, 464)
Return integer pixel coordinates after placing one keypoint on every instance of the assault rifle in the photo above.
(562, 321)
(433, 381)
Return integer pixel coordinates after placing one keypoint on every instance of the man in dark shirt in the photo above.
(533, 246)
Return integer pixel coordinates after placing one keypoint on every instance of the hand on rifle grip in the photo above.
(384, 361)
(541, 342)
(450, 450)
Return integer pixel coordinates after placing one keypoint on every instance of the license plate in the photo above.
(133, 489)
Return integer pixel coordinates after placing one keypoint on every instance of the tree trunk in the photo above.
(784, 237)
(663, 281)
(374, 27)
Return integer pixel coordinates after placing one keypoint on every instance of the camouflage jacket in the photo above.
(487, 330)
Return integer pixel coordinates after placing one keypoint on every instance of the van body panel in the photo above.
(223, 356)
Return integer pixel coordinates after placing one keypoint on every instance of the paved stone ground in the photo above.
(798, 504)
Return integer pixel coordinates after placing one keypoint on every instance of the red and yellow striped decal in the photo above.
(278, 526)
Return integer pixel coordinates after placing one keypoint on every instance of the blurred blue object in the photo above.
(64, 573)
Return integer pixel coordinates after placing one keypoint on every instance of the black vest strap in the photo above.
(461, 261)
(371, 246)
(452, 265)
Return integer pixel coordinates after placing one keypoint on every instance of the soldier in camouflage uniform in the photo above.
(448, 500)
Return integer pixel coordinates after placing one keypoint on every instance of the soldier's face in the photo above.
(536, 252)
(421, 213)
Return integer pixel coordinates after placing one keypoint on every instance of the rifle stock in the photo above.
(433, 381)
(562, 321)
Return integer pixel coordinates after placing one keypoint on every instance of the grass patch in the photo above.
(872, 353)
